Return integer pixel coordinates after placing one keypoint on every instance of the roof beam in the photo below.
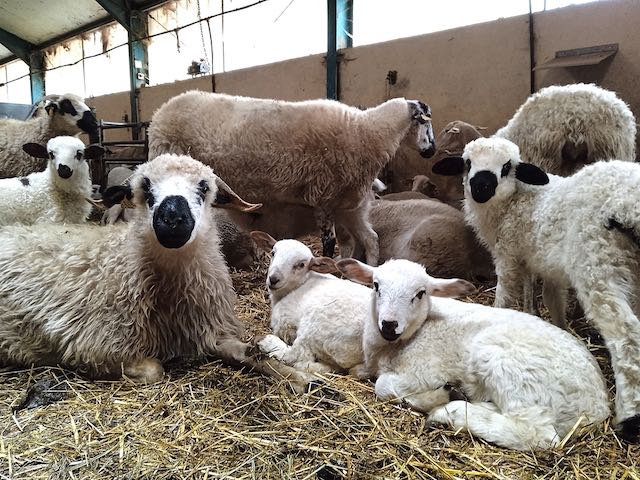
(118, 10)
(18, 46)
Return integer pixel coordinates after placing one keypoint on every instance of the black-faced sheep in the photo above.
(123, 299)
(563, 128)
(527, 383)
(319, 153)
(580, 231)
(59, 194)
(62, 115)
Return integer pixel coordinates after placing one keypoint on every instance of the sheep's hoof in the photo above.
(629, 429)
(147, 370)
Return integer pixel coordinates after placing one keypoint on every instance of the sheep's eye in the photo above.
(79, 155)
(299, 265)
(505, 169)
(51, 155)
(146, 188)
(203, 188)
(376, 287)
(146, 184)
(420, 294)
(467, 164)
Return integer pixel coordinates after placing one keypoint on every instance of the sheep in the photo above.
(521, 392)
(64, 115)
(319, 153)
(433, 234)
(120, 300)
(401, 196)
(59, 194)
(319, 315)
(579, 231)
(563, 128)
(117, 176)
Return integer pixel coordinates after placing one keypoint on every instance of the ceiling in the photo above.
(45, 22)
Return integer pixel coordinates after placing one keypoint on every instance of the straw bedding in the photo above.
(207, 420)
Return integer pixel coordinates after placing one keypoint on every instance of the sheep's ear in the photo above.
(93, 151)
(323, 265)
(227, 198)
(263, 240)
(116, 194)
(529, 173)
(355, 270)
(450, 287)
(36, 150)
(449, 166)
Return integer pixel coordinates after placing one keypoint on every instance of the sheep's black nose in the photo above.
(88, 122)
(388, 330)
(173, 222)
(483, 186)
(273, 280)
(64, 171)
(428, 152)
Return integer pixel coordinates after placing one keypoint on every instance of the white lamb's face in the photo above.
(490, 169)
(289, 267)
(67, 158)
(401, 301)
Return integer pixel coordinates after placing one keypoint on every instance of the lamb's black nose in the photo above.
(64, 171)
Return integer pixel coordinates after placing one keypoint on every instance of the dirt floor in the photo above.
(206, 420)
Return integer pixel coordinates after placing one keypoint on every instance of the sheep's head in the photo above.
(72, 110)
(291, 263)
(67, 158)
(491, 167)
(421, 118)
(174, 194)
(402, 293)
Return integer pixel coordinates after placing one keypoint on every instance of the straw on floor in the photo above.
(207, 420)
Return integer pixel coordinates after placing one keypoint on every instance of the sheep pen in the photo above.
(206, 420)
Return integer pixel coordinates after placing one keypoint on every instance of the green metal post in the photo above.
(138, 60)
(36, 74)
(339, 35)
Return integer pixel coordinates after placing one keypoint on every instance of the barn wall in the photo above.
(478, 73)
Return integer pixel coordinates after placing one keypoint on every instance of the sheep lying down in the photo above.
(121, 300)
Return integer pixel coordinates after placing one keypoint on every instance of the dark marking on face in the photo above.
(67, 107)
(146, 189)
(506, 168)
(428, 152)
(88, 122)
(203, 188)
(51, 155)
(79, 155)
(24, 181)
(467, 165)
(64, 171)
(483, 186)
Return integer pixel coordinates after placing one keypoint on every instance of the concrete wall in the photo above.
(478, 73)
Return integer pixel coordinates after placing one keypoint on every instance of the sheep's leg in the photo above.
(346, 242)
(554, 295)
(357, 223)
(528, 429)
(610, 312)
(147, 370)
(234, 351)
(395, 388)
(530, 295)
(325, 222)
(511, 281)
(295, 355)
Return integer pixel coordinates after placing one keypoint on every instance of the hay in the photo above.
(207, 421)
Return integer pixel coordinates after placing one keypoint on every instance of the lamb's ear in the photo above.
(263, 240)
(93, 151)
(227, 198)
(323, 265)
(36, 150)
(449, 166)
(356, 271)
(529, 173)
(450, 287)
(116, 194)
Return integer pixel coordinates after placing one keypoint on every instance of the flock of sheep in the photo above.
(549, 198)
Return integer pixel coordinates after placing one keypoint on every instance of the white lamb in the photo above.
(60, 115)
(562, 128)
(124, 299)
(319, 315)
(319, 153)
(581, 231)
(527, 382)
(59, 194)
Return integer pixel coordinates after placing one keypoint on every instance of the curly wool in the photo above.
(575, 116)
